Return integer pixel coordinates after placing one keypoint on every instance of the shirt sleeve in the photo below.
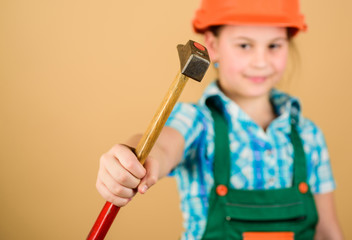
(187, 119)
(320, 174)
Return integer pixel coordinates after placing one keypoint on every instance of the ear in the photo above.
(211, 43)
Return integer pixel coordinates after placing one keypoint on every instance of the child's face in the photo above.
(252, 59)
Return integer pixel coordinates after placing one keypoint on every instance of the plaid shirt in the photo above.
(260, 159)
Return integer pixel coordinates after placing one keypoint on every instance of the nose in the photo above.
(260, 59)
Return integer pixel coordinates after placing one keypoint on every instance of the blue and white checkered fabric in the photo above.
(260, 159)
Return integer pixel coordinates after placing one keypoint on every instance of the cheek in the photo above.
(234, 63)
(281, 62)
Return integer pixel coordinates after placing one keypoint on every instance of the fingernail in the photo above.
(144, 188)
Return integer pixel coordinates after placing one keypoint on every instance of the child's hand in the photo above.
(120, 173)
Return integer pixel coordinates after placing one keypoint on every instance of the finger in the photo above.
(114, 187)
(128, 160)
(119, 173)
(108, 196)
(152, 176)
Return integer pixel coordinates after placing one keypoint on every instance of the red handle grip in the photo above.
(103, 222)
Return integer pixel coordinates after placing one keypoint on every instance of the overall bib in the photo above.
(278, 214)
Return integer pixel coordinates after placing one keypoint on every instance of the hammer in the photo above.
(194, 61)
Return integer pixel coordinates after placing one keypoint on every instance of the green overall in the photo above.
(234, 213)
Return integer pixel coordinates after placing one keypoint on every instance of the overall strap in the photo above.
(299, 160)
(221, 145)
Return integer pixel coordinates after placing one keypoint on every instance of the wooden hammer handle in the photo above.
(153, 131)
(145, 145)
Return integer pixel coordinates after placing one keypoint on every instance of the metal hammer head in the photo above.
(194, 60)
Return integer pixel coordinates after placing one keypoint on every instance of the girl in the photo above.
(247, 163)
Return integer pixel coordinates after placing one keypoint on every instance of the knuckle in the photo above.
(105, 195)
(116, 148)
(129, 164)
(123, 178)
(111, 199)
(99, 185)
(103, 158)
(120, 202)
(117, 190)
(136, 183)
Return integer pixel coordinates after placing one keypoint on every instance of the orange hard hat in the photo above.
(281, 13)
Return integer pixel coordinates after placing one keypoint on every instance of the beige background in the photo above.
(78, 76)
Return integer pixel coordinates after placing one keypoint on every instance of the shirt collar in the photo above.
(284, 104)
(286, 107)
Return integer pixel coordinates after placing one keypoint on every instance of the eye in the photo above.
(244, 46)
(274, 46)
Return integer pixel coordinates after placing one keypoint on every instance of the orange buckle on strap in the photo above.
(268, 236)
(221, 190)
(303, 187)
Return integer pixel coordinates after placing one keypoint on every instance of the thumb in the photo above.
(151, 177)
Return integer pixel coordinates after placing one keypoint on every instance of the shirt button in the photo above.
(271, 181)
(269, 152)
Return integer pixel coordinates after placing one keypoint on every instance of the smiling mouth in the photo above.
(257, 79)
